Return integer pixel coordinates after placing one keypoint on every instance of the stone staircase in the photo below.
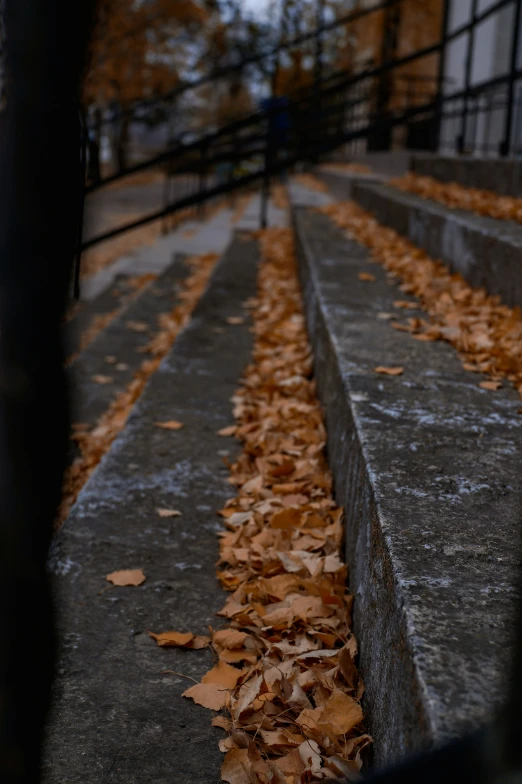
(426, 465)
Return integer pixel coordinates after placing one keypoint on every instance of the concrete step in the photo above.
(86, 313)
(427, 465)
(118, 716)
(487, 252)
(501, 175)
(340, 183)
(114, 356)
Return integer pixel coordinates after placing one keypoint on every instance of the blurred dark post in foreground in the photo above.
(39, 206)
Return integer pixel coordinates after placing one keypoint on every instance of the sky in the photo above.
(256, 6)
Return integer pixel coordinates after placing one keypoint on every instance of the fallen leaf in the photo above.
(172, 639)
(389, 371)
(223, 674)
(235, 320)
(404, 303)
(111, 360)
(235, 767)
(171, 424)
(227, 431)
(122, 366)
(366, 276)
(342, 712)
(127, 577)
(138, 326)
(168, 512)
(229, 638)
(492, 385)
(99, 379)
(209, 695)
(286, 518)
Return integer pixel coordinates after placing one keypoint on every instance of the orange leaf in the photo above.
(172, 639)
(235, 767)
(168, 512)
(171, 424)
(342, 712)
(492, 385)
(223, 674)
(229, 638)
(209, 695)
(235, 320)
(286, 518)
(366, 276)
(132, 577)
(389, 371)
(227, 431)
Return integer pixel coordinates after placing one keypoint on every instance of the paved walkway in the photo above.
(193, 237)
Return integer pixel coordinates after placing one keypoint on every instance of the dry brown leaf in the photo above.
(131, 577)
(229, 638)
(209, 695)
(235, 320)
(224, 675)
(389, 371)
(99, 379)
(138, 326)
(235, 767)
(168, 512)
(172, 639)
(170, 424)
(366, 276)
(491, 385)
(342, 712)
(228, 431)
(286, 518)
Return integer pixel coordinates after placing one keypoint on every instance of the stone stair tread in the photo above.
(427, 465)
(486, 251)
(118, 715)
(122, 341)
(114, 297)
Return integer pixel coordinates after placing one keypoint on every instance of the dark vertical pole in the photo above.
(81, 211)
(202, 180)
(505, 145)
(437, 120)
(318, 75)
(265, 190)
(461, 139)
(39, 208)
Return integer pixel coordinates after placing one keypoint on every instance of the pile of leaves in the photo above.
(457, 196)
(96, 442)
(285, 675)
(486, 333)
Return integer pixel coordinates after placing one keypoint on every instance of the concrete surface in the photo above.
(119, 340)
(427, 465)
(119, 717)
(502, 175)
(487, 252)
(206, 236)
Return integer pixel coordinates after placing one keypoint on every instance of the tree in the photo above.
(140, 50)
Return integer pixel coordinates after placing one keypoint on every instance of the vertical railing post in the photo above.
(461, 139)
(441, 72)
(265, 190)
(505, 145)
(202, 185)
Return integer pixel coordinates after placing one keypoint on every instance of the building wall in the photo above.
(485, 122)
